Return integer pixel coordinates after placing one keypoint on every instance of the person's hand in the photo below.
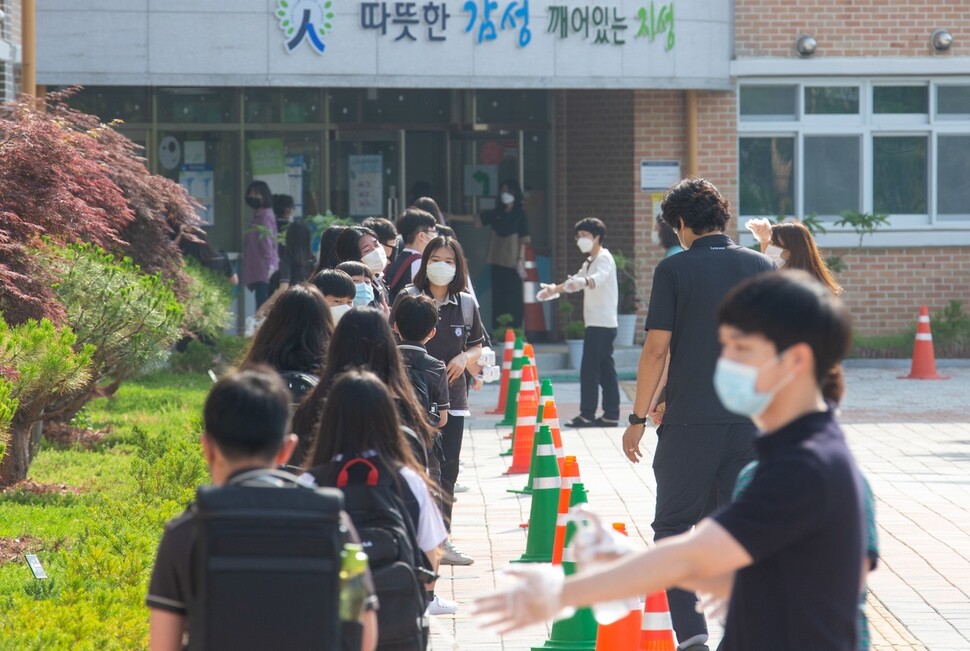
(760, 228)
(536, 597)
(457, 366)
(520, 269)
(631, 442)
(712, 606)
(656, 413)
(574, 284)
(547, 293)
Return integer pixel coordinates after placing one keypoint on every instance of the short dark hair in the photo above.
(788, 308)
(430, 206)
(412, 221)
(698, 203)
(247, 413)
(591, 225)
(355, 268)
(383, 227)
(282, 203)
(260, 188)
(334, 282)
(415, 317)
(459, 282)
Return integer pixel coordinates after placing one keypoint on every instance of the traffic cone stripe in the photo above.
(562, 519)
(923, 318)
(525, 421)
(540, 483)
(924, 336)
(655, 621)
(517, 374)
(567, 555)
(923, 366)
(545, 451)
(568, 482)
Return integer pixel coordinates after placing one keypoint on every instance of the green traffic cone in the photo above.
(576, 633)
(545, 397)
(545, 501)
(515, 380)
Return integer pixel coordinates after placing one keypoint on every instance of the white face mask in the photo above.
(774, 252)
(376, 260)
(441, 273)
(585, 244)
(507, 198)
(338, 311)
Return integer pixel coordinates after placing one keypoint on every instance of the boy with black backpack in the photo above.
(415, 321)
(254, 563)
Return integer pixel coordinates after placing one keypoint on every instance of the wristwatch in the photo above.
(637, 420)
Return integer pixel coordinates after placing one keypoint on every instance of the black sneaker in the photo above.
(605, 422)
(582, 421)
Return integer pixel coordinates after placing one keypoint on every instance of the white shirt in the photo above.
(601, 295)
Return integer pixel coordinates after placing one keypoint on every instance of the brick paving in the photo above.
(911, 438)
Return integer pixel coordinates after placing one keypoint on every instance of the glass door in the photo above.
(365, 173)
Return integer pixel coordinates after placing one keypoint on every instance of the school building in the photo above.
(792, 109)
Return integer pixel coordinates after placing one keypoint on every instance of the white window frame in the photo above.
(903, 230)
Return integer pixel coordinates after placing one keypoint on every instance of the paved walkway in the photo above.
(911, 438)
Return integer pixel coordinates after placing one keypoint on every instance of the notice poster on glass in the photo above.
(267, 162)
(658, 174)
(199, 182)
(366, 185)
(294, 179)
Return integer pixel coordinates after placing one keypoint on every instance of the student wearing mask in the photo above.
(357, 243)
(788, 556)
(597, 280)
(790, 245)
(417, 228)
(260, 255)
(386, 233)
(338, 290)
(367, 290)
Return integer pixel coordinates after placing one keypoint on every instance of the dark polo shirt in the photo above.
(802, 521)
(687, 290)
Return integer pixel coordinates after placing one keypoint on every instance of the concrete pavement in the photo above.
(911, 438)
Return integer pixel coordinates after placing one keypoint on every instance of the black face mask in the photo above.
(254, 202)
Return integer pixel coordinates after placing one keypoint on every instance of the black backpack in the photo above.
(398, 274)
(374, 498)
(299, 383)
(417, 368)
(266, 548)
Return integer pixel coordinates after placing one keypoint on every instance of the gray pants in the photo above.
(695, 467)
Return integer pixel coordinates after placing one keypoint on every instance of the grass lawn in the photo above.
(97, 530)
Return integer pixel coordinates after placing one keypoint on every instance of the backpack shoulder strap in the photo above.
(467, 309)
(412, 290)
(405, 264)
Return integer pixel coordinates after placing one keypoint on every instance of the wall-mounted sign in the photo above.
(305, 20)
(481, 180)
(199, 182)
(366, 185)
(658, 174)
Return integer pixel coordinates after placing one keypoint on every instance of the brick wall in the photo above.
(849, 27)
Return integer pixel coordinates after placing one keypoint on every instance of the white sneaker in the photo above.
(461, 488)
(453, 556)
(441, 606)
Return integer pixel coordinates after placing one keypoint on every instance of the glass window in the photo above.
(832, 174)
(766, 168)
(768, 102)
(291, 105)
(130, 104)
(511, 106)
(953, 100)
(899, 175)
(346, 104)
(831, 100)
(900, 99)
(414, 106)
(262, 105)
(197, 105)
(953, 175)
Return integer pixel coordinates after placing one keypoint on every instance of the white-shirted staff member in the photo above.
(597, 279)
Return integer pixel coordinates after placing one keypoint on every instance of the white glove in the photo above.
(713, 607)
(574, 284)
(520, 269)
(593, 542)
(547, 293)
(535, 597)
(760, 228)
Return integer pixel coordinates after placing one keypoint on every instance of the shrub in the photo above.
(206, 303)
(196, 358)
(8, 405)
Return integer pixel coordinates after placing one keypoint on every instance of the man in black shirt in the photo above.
(701, 447)
(788, 557)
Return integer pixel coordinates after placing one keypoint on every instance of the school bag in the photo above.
(464, 299)
(417, 368)
(374, 497)
(266, 549)
(397, 274)
(299, 383)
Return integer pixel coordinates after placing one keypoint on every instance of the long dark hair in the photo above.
(515, 190)
(328, 252)
(459, 282)
(362, 339)
(295, 334)
(265, 195)
(348, 242)
(795, 238)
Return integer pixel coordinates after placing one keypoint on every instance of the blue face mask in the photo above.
(734, 384)
(365, 295)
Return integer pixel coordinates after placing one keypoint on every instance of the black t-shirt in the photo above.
(687, 290)
(802, 521)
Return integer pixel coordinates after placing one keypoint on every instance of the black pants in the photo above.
(260, 292)
(451, 436)
(598, 370)
(695, 467)
(507, 294)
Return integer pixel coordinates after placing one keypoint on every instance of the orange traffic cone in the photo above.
(528, 359)
(535, 317)
(550, 417)
(924, 361)
(503, 388)
(546, 404)
(570, 476)
(621, 635)
(656, 629)
(525, 426)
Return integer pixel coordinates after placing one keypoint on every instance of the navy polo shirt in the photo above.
(802, 522)
(687, 290)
